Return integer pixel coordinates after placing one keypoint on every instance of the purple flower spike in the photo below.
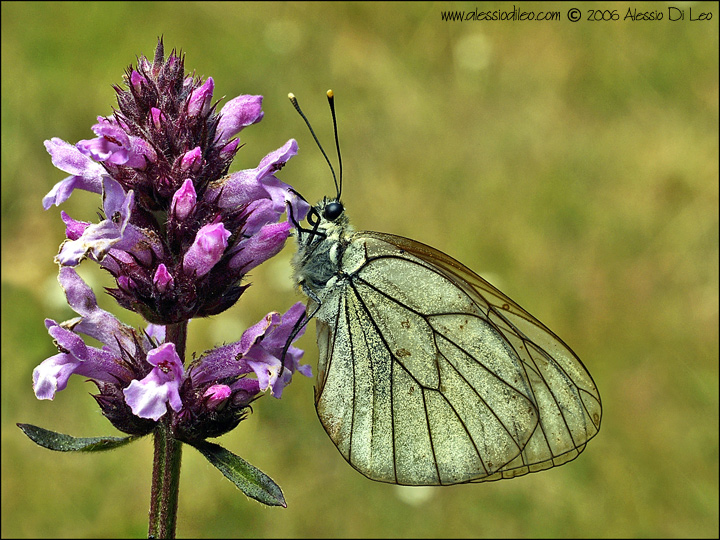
(170, 208)
(178, 234)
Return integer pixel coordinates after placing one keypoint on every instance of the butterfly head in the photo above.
(333, 210)
(327, 219)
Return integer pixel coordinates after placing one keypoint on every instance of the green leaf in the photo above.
(250, 480)
(66, 443)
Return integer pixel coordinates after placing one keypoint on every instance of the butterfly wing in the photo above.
(429, 375)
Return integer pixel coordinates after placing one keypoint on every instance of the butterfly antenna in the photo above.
(287, 203)
(299, 325)
(294, 101)
(331, 101)
(302, 321)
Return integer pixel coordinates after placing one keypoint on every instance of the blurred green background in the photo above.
(575, 165)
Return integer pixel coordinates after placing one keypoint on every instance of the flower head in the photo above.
(178, 234)
(141, 379)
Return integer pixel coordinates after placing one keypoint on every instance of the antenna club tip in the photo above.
(291, 95)
(330, 93)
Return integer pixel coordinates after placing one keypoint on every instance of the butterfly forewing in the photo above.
(428, 375)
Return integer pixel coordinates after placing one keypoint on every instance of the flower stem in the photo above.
(166, 464)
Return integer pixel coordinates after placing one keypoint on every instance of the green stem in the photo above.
(168, 457)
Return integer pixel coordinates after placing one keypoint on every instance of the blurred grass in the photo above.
(573, 164)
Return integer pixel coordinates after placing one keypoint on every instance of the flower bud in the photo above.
(209, 246)
(199, 102)
(184, 200)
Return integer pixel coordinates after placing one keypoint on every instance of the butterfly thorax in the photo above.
(320, 250)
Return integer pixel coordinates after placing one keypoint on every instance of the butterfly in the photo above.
(427, 373)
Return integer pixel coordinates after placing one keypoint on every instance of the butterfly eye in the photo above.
(333, 211)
